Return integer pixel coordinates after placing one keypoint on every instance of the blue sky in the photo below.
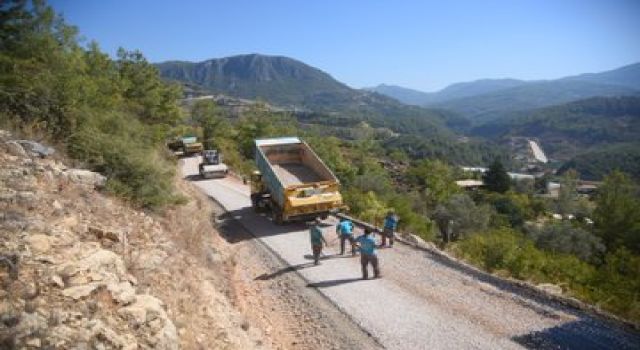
(424, 45)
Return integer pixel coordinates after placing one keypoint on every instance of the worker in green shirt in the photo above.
(317, 239)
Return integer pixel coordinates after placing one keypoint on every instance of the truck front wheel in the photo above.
(276, 215)
(255, 202)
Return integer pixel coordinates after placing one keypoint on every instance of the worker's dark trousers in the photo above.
(317, 249)
(387, 233)
(343, 239)
(365, 259)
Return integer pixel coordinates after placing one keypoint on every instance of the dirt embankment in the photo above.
(80, 269)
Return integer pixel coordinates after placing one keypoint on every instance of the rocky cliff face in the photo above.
(81, 270)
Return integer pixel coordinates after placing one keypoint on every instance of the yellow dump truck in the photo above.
(188, 145)
(191, 146)
(292, 181)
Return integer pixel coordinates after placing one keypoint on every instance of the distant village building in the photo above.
(513, 176)
(470, 184)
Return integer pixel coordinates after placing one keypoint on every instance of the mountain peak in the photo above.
(280, 79)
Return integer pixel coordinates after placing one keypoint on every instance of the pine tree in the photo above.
(496, 178)
(617, 215)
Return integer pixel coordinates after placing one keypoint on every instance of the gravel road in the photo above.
(274, 298)
(422, 301)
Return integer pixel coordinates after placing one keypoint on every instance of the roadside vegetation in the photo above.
(111, 114)
(114, 115)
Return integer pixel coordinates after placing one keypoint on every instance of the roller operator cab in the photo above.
(292, 181)
(212, 165)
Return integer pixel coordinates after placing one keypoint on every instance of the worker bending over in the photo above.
(317, 239)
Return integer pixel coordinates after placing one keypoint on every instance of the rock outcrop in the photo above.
(62, 287)
(82, 270)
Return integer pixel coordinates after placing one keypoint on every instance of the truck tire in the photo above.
(276, 215)
(255, 202)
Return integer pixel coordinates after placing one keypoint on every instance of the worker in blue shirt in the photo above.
(390, 225)
(368, 254)
(344, 229)
(317, 239)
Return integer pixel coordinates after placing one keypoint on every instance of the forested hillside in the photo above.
(597, 162)
(597, 131)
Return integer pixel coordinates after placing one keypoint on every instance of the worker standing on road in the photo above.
(317, 239)
(344, 229)
(390, 225)
(368, 254)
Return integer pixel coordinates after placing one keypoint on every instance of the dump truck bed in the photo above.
(292, 174)
(296, 178)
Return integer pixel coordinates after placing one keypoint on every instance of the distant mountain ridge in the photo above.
(287, 82)
(490, 99)
(453, 91)
(628, 76)
(504, 103)
(402, 94)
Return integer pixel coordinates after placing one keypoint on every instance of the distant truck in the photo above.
(212, 165)
(191, 146)
(292, 181)
(188, 145)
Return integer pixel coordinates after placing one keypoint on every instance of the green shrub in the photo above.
(121, 148)
(614, 285)
(410, 220)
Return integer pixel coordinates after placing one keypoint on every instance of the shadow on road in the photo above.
(198, 177)
(332, 256)
(332, 283)
(268, 228)
(582, 334)
(282, 271)
(194, 177)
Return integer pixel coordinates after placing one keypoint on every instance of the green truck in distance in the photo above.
(188, 145)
